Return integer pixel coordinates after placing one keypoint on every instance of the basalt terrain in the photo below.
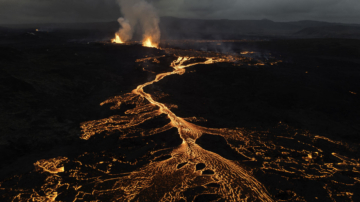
(195, 120)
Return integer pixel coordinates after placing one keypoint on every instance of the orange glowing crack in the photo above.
(51, 165)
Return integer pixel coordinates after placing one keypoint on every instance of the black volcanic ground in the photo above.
(309, 90)
(51, 83)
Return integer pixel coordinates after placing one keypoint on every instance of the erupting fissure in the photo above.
(148, 43)
(117, 39)
(138, 12)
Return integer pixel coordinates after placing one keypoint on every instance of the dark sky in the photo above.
(36, 11)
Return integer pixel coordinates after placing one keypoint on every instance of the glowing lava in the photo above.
(285, 152)
(148, 43)
(234, 181)
(117, 39)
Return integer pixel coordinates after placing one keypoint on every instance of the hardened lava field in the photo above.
(182, 125)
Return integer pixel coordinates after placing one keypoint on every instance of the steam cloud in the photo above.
(142, 12)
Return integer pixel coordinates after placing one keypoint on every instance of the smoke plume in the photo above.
(142, 13)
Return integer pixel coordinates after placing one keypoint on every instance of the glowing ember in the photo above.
(247, 52)
(148, 43)
(51, 165)
(117, 39)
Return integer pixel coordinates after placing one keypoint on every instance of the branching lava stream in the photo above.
(186, 171)
(235, 184)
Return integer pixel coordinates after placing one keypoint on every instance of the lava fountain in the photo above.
(138, 13)
(149, 43)
(117, 39)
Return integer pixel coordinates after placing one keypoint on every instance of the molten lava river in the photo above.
(277, 164)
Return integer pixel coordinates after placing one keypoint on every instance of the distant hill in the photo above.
(105, 26)
(177, 28)
(188, 28)
(339, 31)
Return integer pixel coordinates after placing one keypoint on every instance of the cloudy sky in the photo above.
(35, 11)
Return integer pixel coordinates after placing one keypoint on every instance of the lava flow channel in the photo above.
(188, 172)
(163, 181)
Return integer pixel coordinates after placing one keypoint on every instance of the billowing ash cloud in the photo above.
(139, 12)
(125, 32)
